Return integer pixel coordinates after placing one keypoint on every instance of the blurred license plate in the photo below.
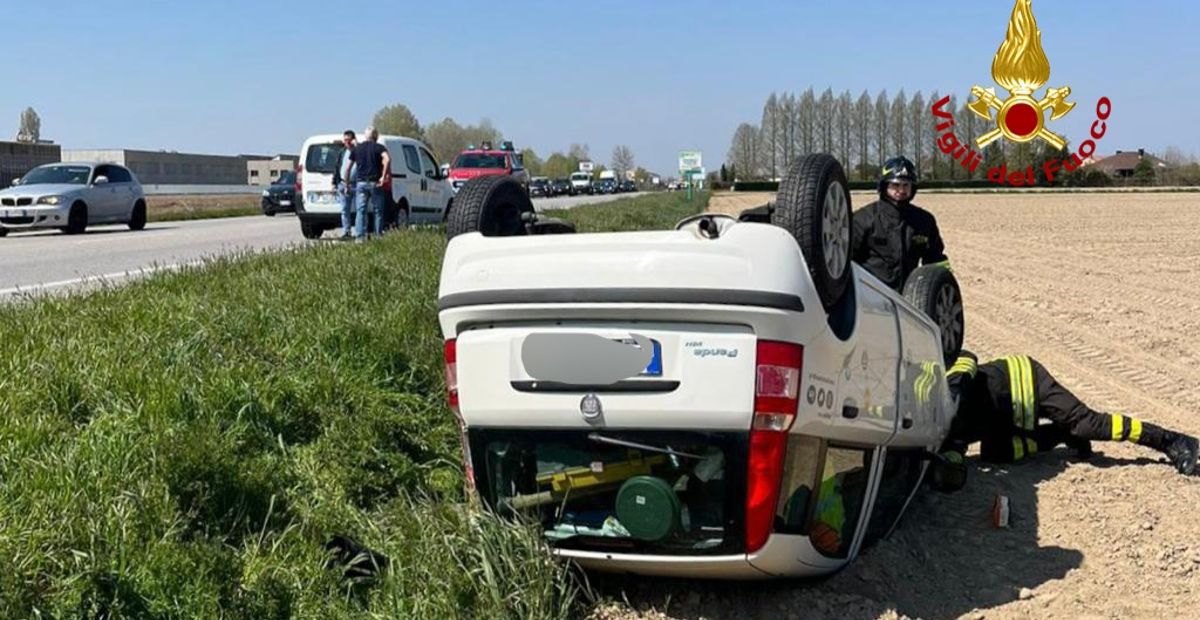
(286, 203)
(654, 368)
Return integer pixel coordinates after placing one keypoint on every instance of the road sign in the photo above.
(585, 166)
(690, 160)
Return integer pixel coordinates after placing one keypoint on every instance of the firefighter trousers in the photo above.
(1037, 395)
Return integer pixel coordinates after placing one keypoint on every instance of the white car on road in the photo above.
(73, 196)
(732, 398)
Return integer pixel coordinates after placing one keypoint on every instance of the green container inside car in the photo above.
(648, 508)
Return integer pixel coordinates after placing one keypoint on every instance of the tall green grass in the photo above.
(184, 445)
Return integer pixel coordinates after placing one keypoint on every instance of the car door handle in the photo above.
(402, 176)
(906, 423)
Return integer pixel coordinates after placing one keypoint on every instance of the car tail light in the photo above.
(299, 181)
(776, 398)
(451, 356)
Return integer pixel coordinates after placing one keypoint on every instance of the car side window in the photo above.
(117, 174)
(411, 159)
(429, 164)
(100, 171)
(901, 473)
(516, 161)
(840, 495)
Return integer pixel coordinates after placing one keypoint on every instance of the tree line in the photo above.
(447, 138)
(864, 131)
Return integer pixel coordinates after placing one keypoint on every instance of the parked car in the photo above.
(628, 186)
(733, 398)
(539, 187)
(280, 195)
(605, 186)
(581, 183)
(418, 193)
(561, 187)
(71, 197)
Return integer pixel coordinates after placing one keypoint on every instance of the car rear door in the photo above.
(124, 195)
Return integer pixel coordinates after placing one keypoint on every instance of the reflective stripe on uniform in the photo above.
(1135, 430)
(924, 384)
(1126, 432)
(1020, 386)
(1118, 427)
(1033, 447)
(964, 364)
(1018, 449)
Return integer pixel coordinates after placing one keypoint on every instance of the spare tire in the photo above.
(934, 290)
(813, 204)
(493, 205)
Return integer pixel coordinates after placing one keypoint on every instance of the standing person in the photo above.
(343, 181)
(374, 171)
(1002, 401)
(891, 237)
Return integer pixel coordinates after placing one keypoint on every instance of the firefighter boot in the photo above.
(1183, 451)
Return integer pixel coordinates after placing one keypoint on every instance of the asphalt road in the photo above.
(44, 261)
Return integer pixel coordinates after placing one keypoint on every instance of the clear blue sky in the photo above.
(257, 77)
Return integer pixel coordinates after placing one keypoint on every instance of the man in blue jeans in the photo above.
(374, 171)
(343, 182)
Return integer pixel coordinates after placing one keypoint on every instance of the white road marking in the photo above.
(116, 275)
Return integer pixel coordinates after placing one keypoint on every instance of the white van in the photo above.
(419, 194)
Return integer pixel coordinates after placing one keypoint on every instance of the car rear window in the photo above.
(479, 160)
(646, 491)
(324, 157)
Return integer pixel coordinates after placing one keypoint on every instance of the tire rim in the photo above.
(835, 230)
(402, 218)
(948, 310)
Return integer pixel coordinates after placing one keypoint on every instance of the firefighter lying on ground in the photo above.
(891, 237)
(1002, 402)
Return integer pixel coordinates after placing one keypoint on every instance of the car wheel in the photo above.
(311, 231)
(934, 290)
(492, 205)
(77, 219)
(402, 216)
(813, 204)
(137, 220)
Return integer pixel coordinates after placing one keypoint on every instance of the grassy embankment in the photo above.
(201, 207)
(183, 446)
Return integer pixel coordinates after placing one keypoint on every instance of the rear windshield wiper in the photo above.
(598, 438)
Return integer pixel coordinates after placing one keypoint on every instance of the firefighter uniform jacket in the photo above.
(891, 241)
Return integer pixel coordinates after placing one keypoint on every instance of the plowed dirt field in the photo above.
(1104, 290)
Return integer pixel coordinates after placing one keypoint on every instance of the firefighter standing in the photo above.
(891, 236)
(1002, 401)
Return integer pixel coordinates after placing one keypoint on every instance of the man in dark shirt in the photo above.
(373, 172)
(891, 237)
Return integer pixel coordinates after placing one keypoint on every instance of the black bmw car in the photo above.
(280, 195)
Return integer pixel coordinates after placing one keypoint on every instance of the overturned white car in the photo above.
(731, 399)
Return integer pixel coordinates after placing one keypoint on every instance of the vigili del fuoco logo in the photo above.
(1020, 67)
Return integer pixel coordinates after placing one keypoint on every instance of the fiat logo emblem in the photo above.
(590, 407)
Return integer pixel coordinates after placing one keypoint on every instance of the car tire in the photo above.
(492, 205)
(813, 204)
(3, 232)
(137, 219)
(934, 290)
(311, 231)
(77, 219)
(402, 215)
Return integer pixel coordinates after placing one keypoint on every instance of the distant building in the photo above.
(17, 158)
(267, 171)
(169, 167)
(1122, 164)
